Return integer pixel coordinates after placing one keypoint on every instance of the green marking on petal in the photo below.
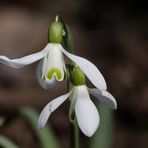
(56, 71)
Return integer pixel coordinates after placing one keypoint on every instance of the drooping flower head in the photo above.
(86, 112)
(51, 67)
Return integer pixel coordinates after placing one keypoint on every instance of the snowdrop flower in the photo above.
(51, 67)
(86, 112)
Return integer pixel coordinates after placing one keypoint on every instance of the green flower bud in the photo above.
(77, 76)
(55, 32)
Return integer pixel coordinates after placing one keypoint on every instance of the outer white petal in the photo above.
(49, 108)
(90, 70)
(105, 97)
(45, 83)
(21, 62)
(54, 59)
(86, 112)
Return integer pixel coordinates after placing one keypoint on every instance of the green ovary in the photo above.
(56, 71)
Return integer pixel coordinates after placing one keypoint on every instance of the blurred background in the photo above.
(113, 35)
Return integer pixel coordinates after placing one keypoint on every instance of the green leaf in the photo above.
(6, 143)
(103, 136)
(45, 135)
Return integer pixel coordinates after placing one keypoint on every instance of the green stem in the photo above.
(56, 18)
(74, 135)
(74, 129)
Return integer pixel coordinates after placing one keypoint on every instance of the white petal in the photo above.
(45, 83)
(21, 62)
(49, 108)
(54, 60)
(105, 97)
(86, 112)
(90, 70)
(73, 98)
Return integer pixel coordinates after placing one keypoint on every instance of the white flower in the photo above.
(52, 66)
(85, 110)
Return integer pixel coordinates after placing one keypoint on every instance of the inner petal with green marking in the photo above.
(55, 71)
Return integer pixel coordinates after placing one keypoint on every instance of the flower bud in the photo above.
(55, 32)
(77, 76)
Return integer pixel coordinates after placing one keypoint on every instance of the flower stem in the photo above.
(74, 134)
(74, 129)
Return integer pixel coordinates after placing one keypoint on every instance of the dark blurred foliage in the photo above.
(113, 35)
